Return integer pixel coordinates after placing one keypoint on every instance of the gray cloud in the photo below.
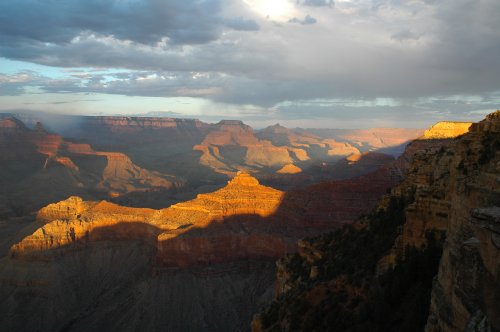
(317, 3)
(145, 22)
(405, 35)
(306, 21)
(395, 49)
(242, 24)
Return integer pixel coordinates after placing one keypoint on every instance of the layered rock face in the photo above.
(44, 167)
(466, 293)
(451, 190)
(446, 130)
(302, 142)
(109, 128)
(88, 260)
(305, 145)
(232, 146)
(202, 153)
(176, 232)
(390, 140)
(426, 164)
(243, 220)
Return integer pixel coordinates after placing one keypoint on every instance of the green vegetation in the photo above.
(347, 294)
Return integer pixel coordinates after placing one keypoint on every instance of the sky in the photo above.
(302, 63)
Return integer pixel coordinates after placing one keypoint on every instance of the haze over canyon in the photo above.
(179, 222)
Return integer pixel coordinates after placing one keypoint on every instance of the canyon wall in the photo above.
(399, 280)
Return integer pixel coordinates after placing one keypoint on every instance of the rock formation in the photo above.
(233, 146)
(303, 142)
(41, 159)
(446, 130)
(255, 221)
(90, 264)
(75, 221)
(388, 140)
(466, 292)
(451, 191)
(289, 169)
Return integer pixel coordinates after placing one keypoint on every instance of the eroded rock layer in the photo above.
(181, 233)
(451, 191)
(39, 167)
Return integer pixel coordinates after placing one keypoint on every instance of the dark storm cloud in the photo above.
(145, 22)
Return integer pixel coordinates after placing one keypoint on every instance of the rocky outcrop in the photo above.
(339, 148)
(87, 259)
(67, 210)
(453, 176)
(289, 169)
(446, 130)
(232, 146)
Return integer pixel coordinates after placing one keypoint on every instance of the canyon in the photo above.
(432, 263)
(147, 257)
(160, 223)
(39, 167)
(93, 247)
(154, 162)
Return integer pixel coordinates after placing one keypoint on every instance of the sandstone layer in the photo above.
(176, 231)
(233, 146)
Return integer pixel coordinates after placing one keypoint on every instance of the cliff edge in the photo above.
(426, 258)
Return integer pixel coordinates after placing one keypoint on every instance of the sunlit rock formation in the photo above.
(289, 169)
(446, 130)
(389, 140)
(233, 146)
(76, 222)
(242, 219)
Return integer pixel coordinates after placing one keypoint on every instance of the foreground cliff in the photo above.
(466, 293)
(426, 258)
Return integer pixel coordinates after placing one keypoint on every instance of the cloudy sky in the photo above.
(307, 63)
